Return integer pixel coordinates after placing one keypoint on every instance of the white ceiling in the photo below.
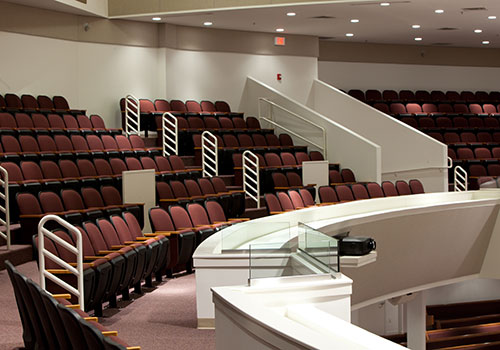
(378, 24)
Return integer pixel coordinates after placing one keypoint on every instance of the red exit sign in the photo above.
(279, 41)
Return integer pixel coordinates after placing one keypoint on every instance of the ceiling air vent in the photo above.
(441, 44)
(326, 37)
(322, 17)
(474, 9)
(447, 28)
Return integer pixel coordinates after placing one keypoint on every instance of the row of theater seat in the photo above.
(287, 201)
(477, 153)
(295, 199)
(42, 103)
(422, 96)
(191, 191)
(457, 123)
(178, 107)
(52, 322)
(61, 146)
(346, 193)
(73, 205)
(37, 123)
(467, 137)
(135, 257)
(432, 109)
(116, 240)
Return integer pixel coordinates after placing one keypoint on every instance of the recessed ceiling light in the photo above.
(291, 14)
(349, 34)
(207, 24)
(439, 11)
(478, 31)
(280, 29)
(418, 39)
(415, 26)
(385, 4)
(492, 17)
(485, 42)
(354, 20)
(156, 18)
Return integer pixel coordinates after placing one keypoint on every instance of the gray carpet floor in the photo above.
(164, 317)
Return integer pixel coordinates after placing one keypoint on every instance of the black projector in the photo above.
(356, 245)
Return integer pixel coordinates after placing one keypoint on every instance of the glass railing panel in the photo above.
(320, 249)
(239, 237)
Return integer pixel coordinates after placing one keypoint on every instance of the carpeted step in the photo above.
(189, 161)
(17, 255)
(250, 203)
(255, 213)
(228, 179)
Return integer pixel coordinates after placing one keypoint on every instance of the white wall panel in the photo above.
(91, 76)
(347, 75)
(215, 75)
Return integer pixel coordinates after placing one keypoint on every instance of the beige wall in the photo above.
(218, 40)
(34, 21)
(90, 76)
(408, 54)
(130, 7)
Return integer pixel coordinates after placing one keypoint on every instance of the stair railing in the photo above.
(4, 194)
(460, 179)
(66, 267)
(170, 134)
(132, 115)
(209, 154)
(251, 176)
(271, 120)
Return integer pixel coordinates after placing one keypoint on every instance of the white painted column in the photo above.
(415, 320)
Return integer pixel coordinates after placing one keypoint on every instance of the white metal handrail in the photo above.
(450, 163)
(209, 154)
(460, 179)
(251, 176)
(170, 138)
(132, 115)
(4, 194)
(44, 253)
(322, 148)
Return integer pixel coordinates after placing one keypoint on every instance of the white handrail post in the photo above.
(460, 181)
(251, 176)
(209, 154)
(77, 250)
(270, 120)
(132, 115)
(170, 131)
(4, 183)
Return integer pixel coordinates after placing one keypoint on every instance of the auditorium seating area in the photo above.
(62, 162)
(470, 325)
(52, 322)
(467, 122)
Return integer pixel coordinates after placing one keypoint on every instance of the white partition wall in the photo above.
(138, 186)
(406, 152)
(344, 146)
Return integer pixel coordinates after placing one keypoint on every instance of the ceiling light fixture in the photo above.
(280, 29)
(207, 24)
(354, 20)
(349, 34)
(485, 42)
(439, 11)
(416, 26)
(492, 17)
(385, 4)
(418, 39)
(156, 18)
(477, 31)
(291, 14)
